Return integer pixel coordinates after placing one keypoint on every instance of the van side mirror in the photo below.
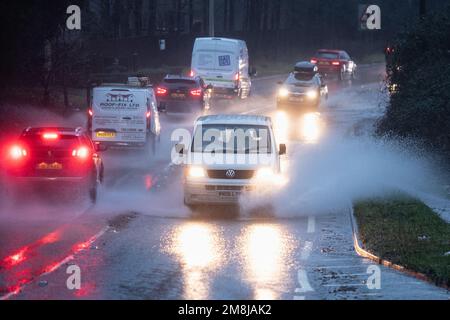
(180, 148)
(280, 83)
(283, 149)
(99, 147)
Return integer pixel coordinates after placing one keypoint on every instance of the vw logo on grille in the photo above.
(230, 174)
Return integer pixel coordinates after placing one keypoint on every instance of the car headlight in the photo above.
(196, 172)
(312, 94)
(283, 93)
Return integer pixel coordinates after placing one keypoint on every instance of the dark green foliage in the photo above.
(420, 69)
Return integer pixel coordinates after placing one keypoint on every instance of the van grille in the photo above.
(239, 174)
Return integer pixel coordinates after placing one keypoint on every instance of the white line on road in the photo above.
(311, 224)
(306, 252)
(303, 282)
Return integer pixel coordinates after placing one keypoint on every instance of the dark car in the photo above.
(303, 90)
(335, 62)
(62, 157)
(183, 94)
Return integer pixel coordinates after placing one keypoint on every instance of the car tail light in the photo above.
(149, 114)
(237, 77)
(50, 136)
(81, 153)
(17, 152)
(314, 61)
(160, 91)
(335, 63)
(196, 92)
(91, 113)
(192, 73)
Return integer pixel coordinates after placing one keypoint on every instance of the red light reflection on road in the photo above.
(16, 258)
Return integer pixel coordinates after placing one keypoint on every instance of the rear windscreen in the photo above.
(327, 55)
(38, 141)
(181, 81)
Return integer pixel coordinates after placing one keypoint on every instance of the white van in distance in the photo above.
(124, 115)
(224, 64)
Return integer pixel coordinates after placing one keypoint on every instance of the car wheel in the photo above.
(93, 193)
(341, 74)
(150, 146)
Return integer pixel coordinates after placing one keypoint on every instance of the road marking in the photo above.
(306, 252)
(311, 224)
(57, 265)
(303, 281)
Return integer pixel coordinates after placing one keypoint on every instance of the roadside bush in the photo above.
(419, 69)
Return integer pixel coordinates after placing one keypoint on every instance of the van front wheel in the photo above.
(150, 146)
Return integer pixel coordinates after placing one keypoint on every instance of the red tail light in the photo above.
(149, 114)
(314, 61)
(17, 152)
(50, 136)
(91, 113)
(237, 77)
(192, 73)
(335, 63)
(81, 153)
(160, 91)
(196, 92)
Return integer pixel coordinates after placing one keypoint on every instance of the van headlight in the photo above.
(265, 174)
(196, 172)
(283, 92)
(312, 94)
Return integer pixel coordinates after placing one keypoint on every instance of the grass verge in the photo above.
(406, 232)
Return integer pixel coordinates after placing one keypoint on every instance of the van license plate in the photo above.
(106, 134)
(229, 194)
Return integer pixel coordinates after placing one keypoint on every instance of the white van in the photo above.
(229, 156)
(124, 115)
(224, 64)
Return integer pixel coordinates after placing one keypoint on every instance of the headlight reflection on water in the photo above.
(265, 253)
(310, 128)
(199, 250)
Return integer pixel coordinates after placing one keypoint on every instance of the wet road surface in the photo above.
(140, 242)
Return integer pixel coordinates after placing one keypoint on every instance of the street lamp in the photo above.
(211, 18)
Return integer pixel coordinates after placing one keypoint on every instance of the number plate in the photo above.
(50, 166)
(178, 95)
(106, 134)
(295, 99)
(229, 194)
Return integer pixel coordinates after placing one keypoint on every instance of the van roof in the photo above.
(220, 39)
(235, 119)
(112, 86)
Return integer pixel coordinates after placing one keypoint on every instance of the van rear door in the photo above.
(217, 63)
(119, 115)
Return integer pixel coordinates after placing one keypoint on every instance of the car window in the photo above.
(181, 81)
(232, 139)
(327, 55)
(62, 142)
